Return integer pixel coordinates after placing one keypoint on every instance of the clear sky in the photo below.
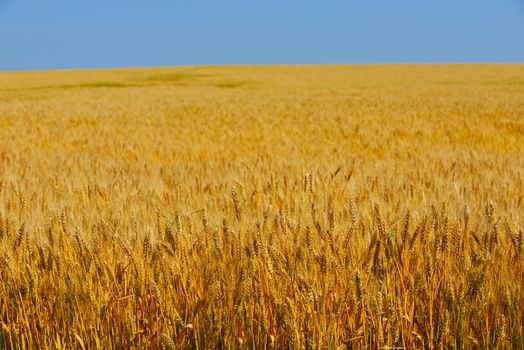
(63, 34)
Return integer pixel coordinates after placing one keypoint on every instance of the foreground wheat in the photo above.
(275, 207)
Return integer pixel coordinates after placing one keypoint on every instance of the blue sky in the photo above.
(64, 34)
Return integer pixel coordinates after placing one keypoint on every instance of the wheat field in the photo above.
(305, 207)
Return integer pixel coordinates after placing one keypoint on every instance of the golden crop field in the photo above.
(306, 207)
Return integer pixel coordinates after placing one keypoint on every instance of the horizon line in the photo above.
(479, 63)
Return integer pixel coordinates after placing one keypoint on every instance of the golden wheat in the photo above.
(262, 207)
